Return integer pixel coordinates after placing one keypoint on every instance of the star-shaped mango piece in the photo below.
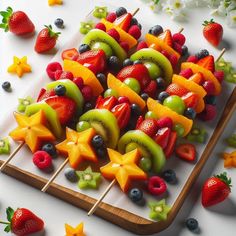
(19, 66)
(32, 130)
(77, 146)
(55, 2)
(229, 159)
(123, 168)
(159, 210)
(77, 231)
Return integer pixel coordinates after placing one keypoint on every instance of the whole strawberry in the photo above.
(213, 32)
(46, 40)
(16, 22)
(215, 190)
(22, 222)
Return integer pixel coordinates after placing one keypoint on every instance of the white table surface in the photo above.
(219, 220)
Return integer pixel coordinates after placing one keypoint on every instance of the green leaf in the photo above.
(8, 228)
(2, 26)
(10, 213)
(9, 9)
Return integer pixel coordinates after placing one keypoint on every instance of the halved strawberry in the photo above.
(93, 59)
(171, 144)
(190, 99)
(207, 63)
(166, 36)
(138, 72)
(149, 127)
(70, 54)
(64, 106)
(106, 103)
(122, 114)
(44, 94)
(186, 151)
(162, 137)
(175, 89)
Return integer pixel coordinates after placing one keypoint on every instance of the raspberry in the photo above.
(187, 73)
(177, 48)
(156, 185)
(123, 99)
(63, 75)
(192, 59)
(219, 75)
(114, 34)
(125, 46)
(151, 89)
(209, 113)
(52, 68)
(209, 87)
(165, 53)
(111, 17)
(100, 26)
(42, 160)
(135, 31)
(165, 122)
(179, 38)
(142, 45)
(79, 82)
(173, 60)
(87, 93)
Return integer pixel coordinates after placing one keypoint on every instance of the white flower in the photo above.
(156, 5)
(196, 3)
(231, 19)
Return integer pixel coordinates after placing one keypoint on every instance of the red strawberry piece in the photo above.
(209, 86)
(96, 58)
(139, 121)
(141, 45)
(123, 99)
(138, 71)
(187, 73)
(135, 31)
(114, 34)
(165, 122)
(173, 60)
(22, 222)
(64, 106)
(171, 144)
(156, 185)
(209, 113)
(125, 46)
(111, 17)
(177, 47)
(123, 21)
(44, 94)
(149, 127)
(165, 53)
(70, 54)
(213, 32)
(46, 40)
(207, 63)
(166, 37)
(192, 59)
(106, 103)
(52, 68)
(216, 189)
(122, 114)
(100, 26)
(179, 39)
(42, 160)
(162, 137)
(63, 75)
(190, 99)
(151, 89)
(16, 22)
(79, 82)
(219, 75)
(175, 89)
(186, 151)
(87, 92)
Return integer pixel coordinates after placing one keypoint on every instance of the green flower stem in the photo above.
(4, 223)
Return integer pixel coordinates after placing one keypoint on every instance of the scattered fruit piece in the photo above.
(197, 135)
(71, 175)
(55, 2)
(6, 86)
(191, 224)
(136, 195)
(42, 160)
(50, 149)
(85, 27)
(23, 103)
(19, 66)
(186, 151)
(159, 210)
(59, 23)
(77, 231)
(231, 141)
(100, 12)
(156, 185)
(169, 176)
(4, 146)
(229, 159)
(70, 54)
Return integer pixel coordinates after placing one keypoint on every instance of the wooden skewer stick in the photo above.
(135, 12)
(181, 30)
(95, 206)
(44, 189)
(11, 156)
(221, 54)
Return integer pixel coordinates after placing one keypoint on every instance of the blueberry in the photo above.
(60, 90)
(169, 176)
(191, 224)
(114, 63)
(140, 26)
(190, 113)
(127, 62)
(102, 78)
(160, 83)
(59, 23)
(6, 86)
(120, 11)
(135, 194)
(203, 53)
(102, 152)
(144, 96)
(162, 96)
(210, 99)
(184, 50)
(50, 149)
(84, 48)
(97, 141)
(135, 109)
(70, 174)
(156, 30)
(134, 21)
(138, 62)
(88, 106)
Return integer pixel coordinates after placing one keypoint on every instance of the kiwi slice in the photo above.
(105, 124)
(151, 55)
(97, 35)
(148, 147)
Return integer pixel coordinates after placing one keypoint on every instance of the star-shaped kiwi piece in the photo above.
(159, 210)
(85, 27)
(197, 134)
(231, 141)
(23, 103)
(100, 12)
(4, 146)
(88, 179)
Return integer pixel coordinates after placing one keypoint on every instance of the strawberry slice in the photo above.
(44, 94)
(166, 37)
(122, 114)
(190, 99)
(138, 72)
(149, 127)
(186, 151)
(139, 121)
(70, 54)
(162, 137)
(175, 89)
(123, 21)
(64, 106)
(207, 63)
(106, 103)
(171, 144)
(95, 60)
